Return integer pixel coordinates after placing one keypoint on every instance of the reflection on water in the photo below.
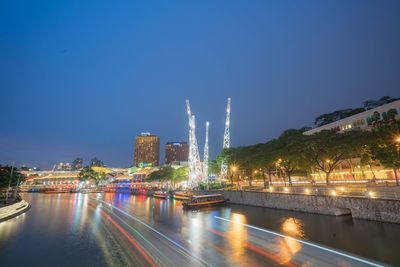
(237, 236)
(293, 227)
(68, 227)
(10, 228)
(287, 246)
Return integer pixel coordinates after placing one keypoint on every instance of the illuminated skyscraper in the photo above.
(176, 152)
(147, 150)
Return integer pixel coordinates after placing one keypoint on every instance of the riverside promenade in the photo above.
(13, 210)
(375, 209)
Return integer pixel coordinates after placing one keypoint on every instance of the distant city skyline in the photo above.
(84, 80)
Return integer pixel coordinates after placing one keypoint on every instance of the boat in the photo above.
(204, 201)
(93, 190)
(161, 194)
(183, 195)
(56, 191)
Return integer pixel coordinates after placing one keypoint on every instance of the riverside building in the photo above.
(147, 150)
(176, 152)
(352, 169)
(362, 120)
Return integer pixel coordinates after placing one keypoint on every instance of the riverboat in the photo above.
(88, 191)
(56, 191)
(183, 195)
(161, 194)
(204, 201)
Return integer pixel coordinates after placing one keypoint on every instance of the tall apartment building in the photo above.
(147, 150)
(176, 152)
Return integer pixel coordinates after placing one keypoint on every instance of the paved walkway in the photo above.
(13, 210)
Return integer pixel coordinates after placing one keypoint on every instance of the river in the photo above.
(128, 230)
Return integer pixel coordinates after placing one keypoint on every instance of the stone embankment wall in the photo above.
(360, 208)
(13, 210)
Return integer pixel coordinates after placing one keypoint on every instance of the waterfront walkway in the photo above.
(13, 210)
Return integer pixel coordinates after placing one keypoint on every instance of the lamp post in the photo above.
(233, 170)
(397, 142)
(255, 176)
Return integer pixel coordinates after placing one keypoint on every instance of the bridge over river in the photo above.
(127, 230)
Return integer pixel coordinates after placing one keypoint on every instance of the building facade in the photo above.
(362, 120)
(352, 169)
(176, 152)
(147, 150)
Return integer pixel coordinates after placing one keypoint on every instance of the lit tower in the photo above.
(205, 156)
(195, 169)
(227, 137)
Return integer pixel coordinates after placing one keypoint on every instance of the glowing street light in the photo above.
(286, 189)
(233, 168)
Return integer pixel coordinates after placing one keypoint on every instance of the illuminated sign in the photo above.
(145, 164)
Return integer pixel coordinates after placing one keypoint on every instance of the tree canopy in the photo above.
(5, 174)
(295, 153)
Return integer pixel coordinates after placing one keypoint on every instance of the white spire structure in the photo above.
(205, 155)
(195, 168)
(227, 137)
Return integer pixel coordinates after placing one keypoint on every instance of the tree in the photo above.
(6, 179)
(213, 167)
(327, 150)
(96, 162)
(386, 147)
(367, 159)
(88, 174)
(336, 115)
(77, 164)
(165, 174)
(290, 152)
(354, 144)
(179, 175)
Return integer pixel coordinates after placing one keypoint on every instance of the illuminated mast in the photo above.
(205, 156)
(195, 170)
(227, 138)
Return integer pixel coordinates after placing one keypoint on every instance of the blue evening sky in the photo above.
(82, 78)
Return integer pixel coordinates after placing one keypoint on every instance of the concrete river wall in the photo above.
(360, 208)
(13, 210)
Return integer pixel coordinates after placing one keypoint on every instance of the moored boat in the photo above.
(161, 194)
(56, 191)
(183, 195)
(93, 190)
(204, 201)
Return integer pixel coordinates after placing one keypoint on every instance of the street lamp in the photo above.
(397, 139)
(233, 170)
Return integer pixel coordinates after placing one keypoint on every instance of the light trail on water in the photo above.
(129, 238)
(304, 242)
(185, 250)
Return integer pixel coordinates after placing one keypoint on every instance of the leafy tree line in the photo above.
(77, 164)
(95, 172)
(295, 153)
(169, 175)
(5, 174)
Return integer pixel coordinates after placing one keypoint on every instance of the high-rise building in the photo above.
(176, 152)
(147, 150)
